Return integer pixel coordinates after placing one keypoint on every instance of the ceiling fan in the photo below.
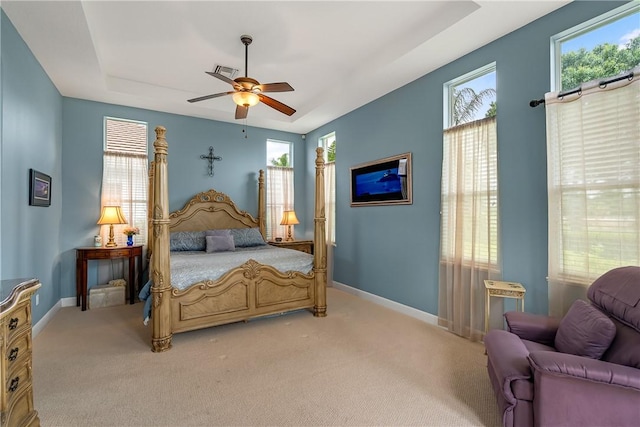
(248, 92)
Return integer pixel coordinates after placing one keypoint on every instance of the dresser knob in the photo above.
(13, 323)
(13, 355)
(14, 384)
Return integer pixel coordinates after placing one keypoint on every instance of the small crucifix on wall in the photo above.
(210, 158)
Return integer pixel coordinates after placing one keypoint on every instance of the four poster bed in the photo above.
(248, 290)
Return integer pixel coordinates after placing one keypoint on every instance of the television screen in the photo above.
(377, 182)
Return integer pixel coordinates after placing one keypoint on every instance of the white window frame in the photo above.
(451, 84)
(448, 89)
(330, 193)
(274, 210)
(586, 27)
(139, 220)
(290, 152)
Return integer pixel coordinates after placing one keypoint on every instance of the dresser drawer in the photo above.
(17, 349)
(19, 319)
(113, 253)
(20, 411)
(18, 378)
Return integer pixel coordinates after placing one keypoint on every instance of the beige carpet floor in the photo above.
(363, 365)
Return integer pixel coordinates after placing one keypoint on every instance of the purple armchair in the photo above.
(582, 370)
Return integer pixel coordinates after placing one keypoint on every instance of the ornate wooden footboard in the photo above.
(248, 291)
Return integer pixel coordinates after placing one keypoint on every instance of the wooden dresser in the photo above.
(16, 400)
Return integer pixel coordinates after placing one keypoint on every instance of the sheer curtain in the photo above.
(124, 183)
(330, 201)
(279, 199)
(593, 146)
(469, 226)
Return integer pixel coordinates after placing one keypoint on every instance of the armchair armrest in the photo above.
(507, 356)
(547, 362)
(533, 327)
(574, 390)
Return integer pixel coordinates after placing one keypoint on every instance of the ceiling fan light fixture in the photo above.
(245, 99)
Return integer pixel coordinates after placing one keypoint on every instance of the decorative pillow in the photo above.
(220, 244)
(247, 237)
(221, 232)
(187, 241)
(585, 331)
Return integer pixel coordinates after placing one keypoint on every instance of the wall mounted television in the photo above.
(382, 182)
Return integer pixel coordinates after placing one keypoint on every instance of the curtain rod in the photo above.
(602, 85)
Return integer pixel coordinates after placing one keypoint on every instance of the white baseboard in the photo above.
(64, 302)
(395, 306)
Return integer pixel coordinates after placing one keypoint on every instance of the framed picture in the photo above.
(39, 188)
(382, 182)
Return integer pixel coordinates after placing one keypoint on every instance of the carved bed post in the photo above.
(160, 272)
(150, 212)
(320, 240)
(262, 205)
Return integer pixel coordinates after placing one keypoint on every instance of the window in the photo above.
(279, 185)
(469, 175)
(124, 174)
(470, 97)
(602, 47)
(469, 250)
(593, 145)
(328, 143)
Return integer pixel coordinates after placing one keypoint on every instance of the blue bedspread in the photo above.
(188, 268)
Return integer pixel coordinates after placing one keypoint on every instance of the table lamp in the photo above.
(289, 218)
(111, 215)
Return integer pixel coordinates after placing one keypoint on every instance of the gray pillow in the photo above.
(220, 244)
(187, 241)
(221, 232)
(247, 237)
(585, 331)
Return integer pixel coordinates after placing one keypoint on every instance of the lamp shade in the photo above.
(245, 99)
(289, 218)
(112, 215)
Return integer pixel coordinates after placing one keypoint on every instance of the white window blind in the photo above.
(593, 145)
(279, 199)
(470, 193)
(125, 177)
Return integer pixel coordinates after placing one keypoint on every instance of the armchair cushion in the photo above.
(585, 331)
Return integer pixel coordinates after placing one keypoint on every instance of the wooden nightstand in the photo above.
(299, 245)
(85, 254)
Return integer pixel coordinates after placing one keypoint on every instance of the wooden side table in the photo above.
(305, 246)
(87, 253)
(495, 288)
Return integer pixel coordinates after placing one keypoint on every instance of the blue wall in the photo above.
(393, 251)
(188, 138)
(31, 138)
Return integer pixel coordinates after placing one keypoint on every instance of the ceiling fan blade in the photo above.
(224, 79)
(277, 105)
(215, 95)
(275, 87)
(241, 112)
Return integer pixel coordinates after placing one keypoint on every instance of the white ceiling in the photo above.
(338, 55)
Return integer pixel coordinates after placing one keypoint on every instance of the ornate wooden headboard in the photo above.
(210, 210)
